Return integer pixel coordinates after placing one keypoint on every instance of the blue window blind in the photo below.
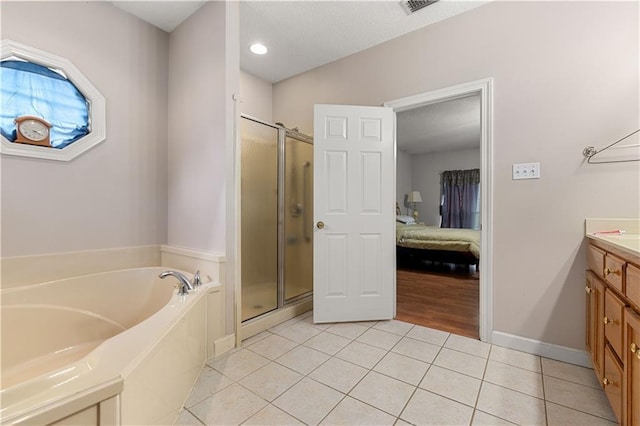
(31, 89)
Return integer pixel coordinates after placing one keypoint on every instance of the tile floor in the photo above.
(386, 373)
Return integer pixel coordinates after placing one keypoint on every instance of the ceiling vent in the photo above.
(411, 6)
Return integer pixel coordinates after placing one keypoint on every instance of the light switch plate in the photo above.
(526, 171)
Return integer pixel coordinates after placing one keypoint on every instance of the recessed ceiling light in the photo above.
(258, 49)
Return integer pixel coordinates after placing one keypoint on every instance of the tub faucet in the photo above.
(197, 281)
(185, 285)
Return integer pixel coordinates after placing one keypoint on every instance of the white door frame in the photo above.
(483, 87)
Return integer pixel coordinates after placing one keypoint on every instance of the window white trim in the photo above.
(97, 105)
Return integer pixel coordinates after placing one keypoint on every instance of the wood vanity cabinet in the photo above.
(613, 326)
(631, 392)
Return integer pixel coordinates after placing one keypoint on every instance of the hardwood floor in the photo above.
(439, 297)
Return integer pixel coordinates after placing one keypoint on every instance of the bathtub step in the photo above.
(45, 364)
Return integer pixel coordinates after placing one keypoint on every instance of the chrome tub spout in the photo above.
(184, 286)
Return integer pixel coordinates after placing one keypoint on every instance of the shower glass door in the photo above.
(259, 216)
(298, 218)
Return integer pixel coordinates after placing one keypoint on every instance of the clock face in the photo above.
(34, 130)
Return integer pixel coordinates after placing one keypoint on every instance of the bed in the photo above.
(416, 242)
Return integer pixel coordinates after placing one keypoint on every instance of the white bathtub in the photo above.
(75, 342)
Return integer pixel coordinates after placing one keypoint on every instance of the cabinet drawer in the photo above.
(612, 382)
(613, 317)
(632, 290)
(595, 260)
(614, 271)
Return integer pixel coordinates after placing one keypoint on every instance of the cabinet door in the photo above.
(613, 382)
(632, 367)
(595, 326)
(613, 322)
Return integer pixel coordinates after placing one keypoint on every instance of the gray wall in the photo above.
(114, 195)
(566, 76)
(200, 110)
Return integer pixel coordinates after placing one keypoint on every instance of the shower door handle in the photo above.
(320, 225)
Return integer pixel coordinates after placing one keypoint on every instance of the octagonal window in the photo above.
(63, 111)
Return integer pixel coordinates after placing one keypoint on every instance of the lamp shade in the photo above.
(414, 197)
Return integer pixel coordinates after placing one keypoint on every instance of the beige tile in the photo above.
(253, 339)
(364, 355)
(302, 359)
(320, 326)
(402, 368)
(401, 422)
(353, 412)
(429, 335)
(426, 408)
(239, 364)
(367, 324)
(579, 397)
(456, 386)
(308, 314)
(379, 339)
(188, 419)
(394, 326)
(515, 358)
(232, 405)
(484, 419)
(285, 324)
(209, 382)
(272, 416)
(382, 392)
(511, 405)
(327, 343)
(338, 374)
(308, 401)
(299, 332)
(515, 378)
(558, 415)
(461, 362)
(350, 330)
(570, 372)
(468, 345)
(272, 346)
(270, 381)
(416, 349)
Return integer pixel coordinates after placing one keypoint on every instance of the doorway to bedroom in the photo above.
(441, 151)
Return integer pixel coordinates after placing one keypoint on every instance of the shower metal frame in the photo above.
(283, 133)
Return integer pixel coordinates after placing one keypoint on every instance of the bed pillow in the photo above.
(407, 220)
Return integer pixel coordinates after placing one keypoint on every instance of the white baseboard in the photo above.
(224, 344)
(536, 347)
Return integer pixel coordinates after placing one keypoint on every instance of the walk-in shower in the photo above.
(276, 216)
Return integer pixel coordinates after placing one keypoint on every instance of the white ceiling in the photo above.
(305, 34)
(443, 126)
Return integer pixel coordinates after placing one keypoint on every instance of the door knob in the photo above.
(320, 225)
(587, 289)
(606, 321)
(633, 347)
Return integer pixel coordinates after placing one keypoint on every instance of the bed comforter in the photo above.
(434, 238)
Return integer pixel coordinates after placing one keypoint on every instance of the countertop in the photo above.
(627, 241)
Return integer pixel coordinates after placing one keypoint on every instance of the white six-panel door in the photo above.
(354, 213)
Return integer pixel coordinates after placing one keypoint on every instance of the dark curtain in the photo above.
(460, 202)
